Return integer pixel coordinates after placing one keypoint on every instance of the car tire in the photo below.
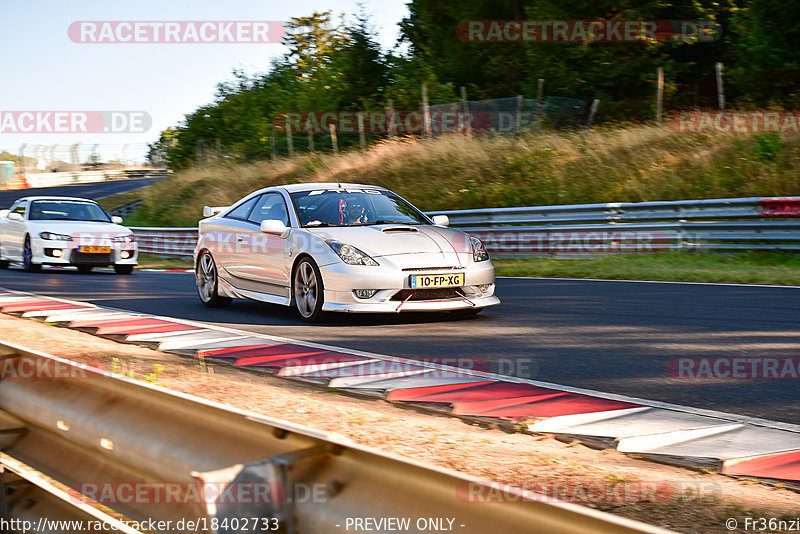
(308, 294)
(27, 257)
(467, 313)
(206, 279)
(123, 269)
(84, 269)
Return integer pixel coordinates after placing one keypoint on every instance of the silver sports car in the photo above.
(339, 247)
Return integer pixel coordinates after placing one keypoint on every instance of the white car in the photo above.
(339, 247)
(38, 231)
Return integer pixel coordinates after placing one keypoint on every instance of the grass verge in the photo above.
(744, 268)
(146, 261)
(623, 164)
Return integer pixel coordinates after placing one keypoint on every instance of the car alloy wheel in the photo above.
(206, 279)
(308, 290)
(27, 257)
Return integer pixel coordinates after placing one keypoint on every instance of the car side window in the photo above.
(20, 208)
(269, 206)
(243, 210)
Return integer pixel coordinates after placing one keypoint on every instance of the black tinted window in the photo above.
(242, 210)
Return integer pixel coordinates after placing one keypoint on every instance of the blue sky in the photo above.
(45, 70)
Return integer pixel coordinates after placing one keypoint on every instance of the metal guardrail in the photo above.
(53, 179)
(96, 433)
(721, 224)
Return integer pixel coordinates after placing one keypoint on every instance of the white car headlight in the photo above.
(350, 254)
(123, 239)
(50, 236)
(478, 251)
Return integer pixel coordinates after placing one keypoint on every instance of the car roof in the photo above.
(56, 198)
(294, 188)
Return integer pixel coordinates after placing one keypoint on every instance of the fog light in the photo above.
(125, 254)
(483, 288)
(57, 252)
(364, 293)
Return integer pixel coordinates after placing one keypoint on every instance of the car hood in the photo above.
(395, 239)
(79, 228)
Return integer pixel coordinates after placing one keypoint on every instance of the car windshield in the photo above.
(66, 210)
(354, 207)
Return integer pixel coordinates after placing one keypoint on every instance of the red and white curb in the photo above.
(679, 435)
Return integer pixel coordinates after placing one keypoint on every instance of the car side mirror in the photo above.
(116, 219)
(441, 220)
(274, 227)
(15, 217)
(210, 211)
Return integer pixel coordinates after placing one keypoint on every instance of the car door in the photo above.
(221, 237)
(265, 256)
(14, 232)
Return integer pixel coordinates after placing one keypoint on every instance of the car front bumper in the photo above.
(70, 256)
(340, 280)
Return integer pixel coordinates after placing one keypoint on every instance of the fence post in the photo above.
(540, 104)
(518, 119)
(273, 144)
(659, 94)
(289, 140)
(465, 107)
(720, 88)
(426, 111)
(310, 138)
(592, 111)
(334, 139)
(390, 127)
(361, 138)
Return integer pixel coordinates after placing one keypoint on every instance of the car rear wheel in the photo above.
(206, 279)
(123, 269)
(307, 290)
(27, 257)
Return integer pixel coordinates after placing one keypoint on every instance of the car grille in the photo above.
(87, 258)
(431, 268)
(443, 293)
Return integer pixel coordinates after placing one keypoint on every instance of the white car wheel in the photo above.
(308, 290)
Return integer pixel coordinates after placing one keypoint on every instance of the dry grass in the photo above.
(449, 172)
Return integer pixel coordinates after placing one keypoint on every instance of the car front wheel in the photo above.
(27, 257)
(206, 279)
(307, 290)
(123, 269)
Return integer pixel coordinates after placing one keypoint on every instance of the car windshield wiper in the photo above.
(318, 225)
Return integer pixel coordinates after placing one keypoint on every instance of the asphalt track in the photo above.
(92, 190)
(617, 337)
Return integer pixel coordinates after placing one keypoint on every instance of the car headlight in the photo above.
(123, 239)
(478, 251)
(50, 236)
(350, 254)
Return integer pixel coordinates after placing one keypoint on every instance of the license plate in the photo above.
(422, 281)
(94, 250)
